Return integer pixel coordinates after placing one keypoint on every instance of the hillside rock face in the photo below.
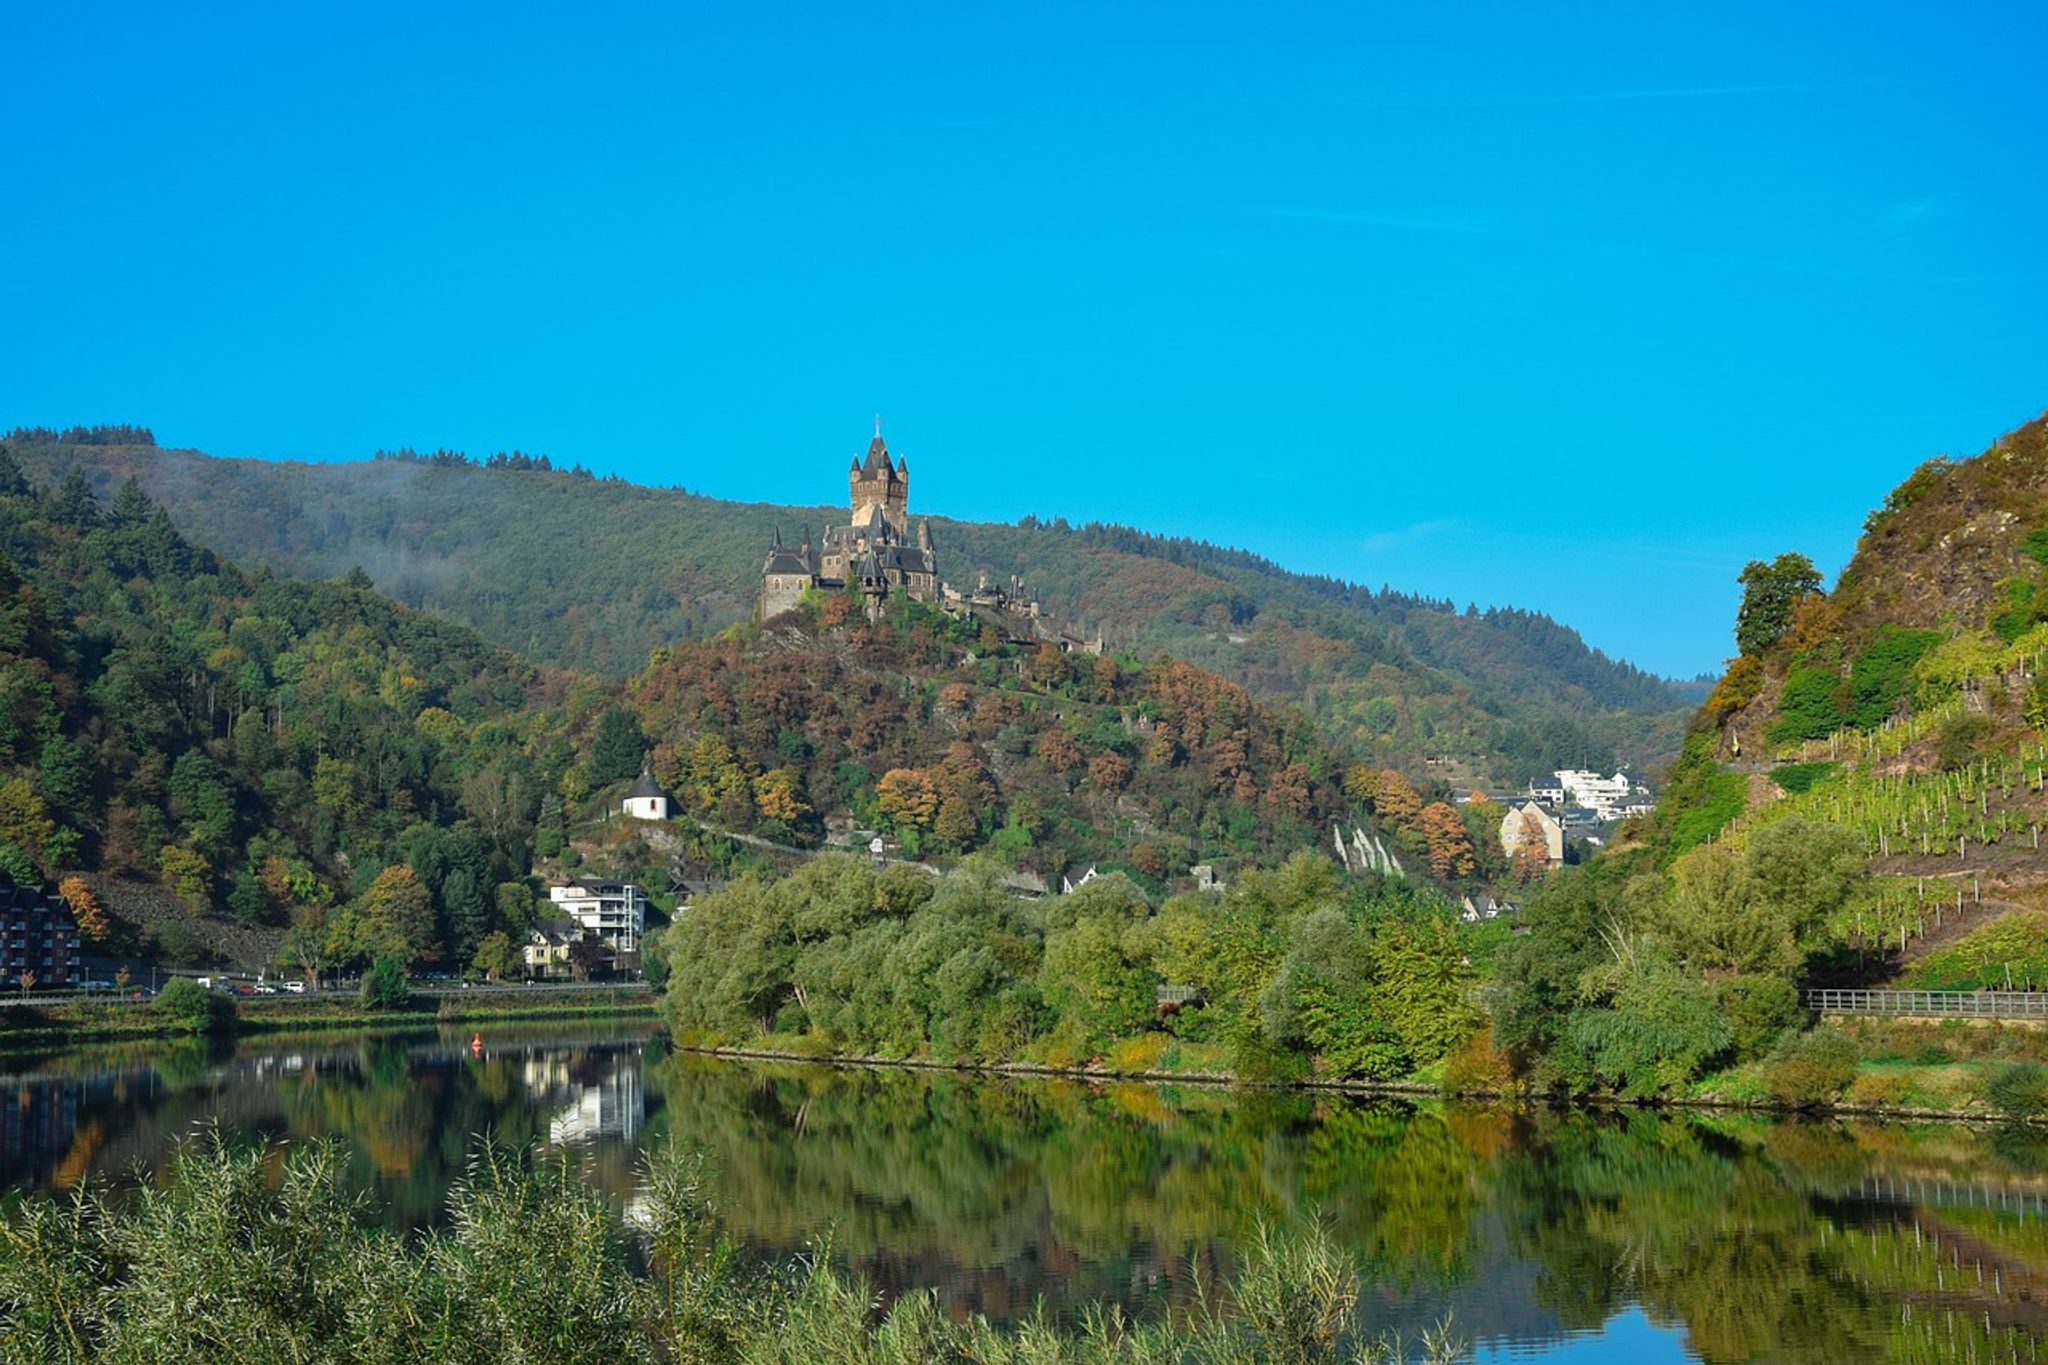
(1942, 599)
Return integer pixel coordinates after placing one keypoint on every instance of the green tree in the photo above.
(385, 986)
(618, 748)
(1769, 592)
(496, 956)
(188, 1007)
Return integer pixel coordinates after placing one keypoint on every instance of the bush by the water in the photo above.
(188, 1007)
(2018, 1090)
(1811, 1069)
(241, 1255)
(385, 986)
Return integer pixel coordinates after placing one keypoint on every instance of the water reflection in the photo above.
(410, 1107)
(1602, 1235)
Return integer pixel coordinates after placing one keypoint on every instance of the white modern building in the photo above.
(615, 911)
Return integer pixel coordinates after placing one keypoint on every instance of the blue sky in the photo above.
(1575, 311)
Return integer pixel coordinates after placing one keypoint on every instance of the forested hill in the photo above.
(253, 756)
(595, 573)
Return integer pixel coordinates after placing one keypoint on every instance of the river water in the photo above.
(1567, 1235)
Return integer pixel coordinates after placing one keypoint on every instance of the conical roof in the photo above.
(877, 462)
(644, 785)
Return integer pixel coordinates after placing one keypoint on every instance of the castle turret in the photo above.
(785, 576)
(878, 481)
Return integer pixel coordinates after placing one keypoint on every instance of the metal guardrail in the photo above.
(134, 995)
(1931, 1004)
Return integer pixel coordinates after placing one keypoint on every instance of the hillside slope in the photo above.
(1907, 706)
(226, 754)
(594, 574)
(252, 768)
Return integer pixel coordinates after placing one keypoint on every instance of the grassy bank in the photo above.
(1953, 1069)
(260, 1255)
(25, 1027)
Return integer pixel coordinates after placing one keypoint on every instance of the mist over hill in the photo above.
(595, 573)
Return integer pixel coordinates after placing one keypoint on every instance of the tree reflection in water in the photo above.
(1756, 1238)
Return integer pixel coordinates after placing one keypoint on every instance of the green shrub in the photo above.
(1959, 740)
(189, 1007)
(1703, 796)
(1758, 1009)
(1808, 707)
(1800, 778)
(1880, 675)
(2034, 545)
(2018, 1090)
(385, 986)
(1807, 1070)
(2022, 610)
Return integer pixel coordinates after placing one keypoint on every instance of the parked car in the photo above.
(295, 988)
(265, 988)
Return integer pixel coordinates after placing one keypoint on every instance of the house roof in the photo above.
(644, 785)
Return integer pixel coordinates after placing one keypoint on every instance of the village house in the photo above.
(546, 954)
(1516, 823)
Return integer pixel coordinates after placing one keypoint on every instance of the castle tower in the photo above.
(880, 482)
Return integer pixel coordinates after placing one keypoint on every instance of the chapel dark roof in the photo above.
(644, 785)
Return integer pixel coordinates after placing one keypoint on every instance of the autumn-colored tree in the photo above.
(840, 607)
(1110, 771)
(1149, 859)
(397, 916)
(1058, 750)
(1290, 790)
(956, 696)
(956, 823)
(1395, 801)
(188, 876)
(1444, 834)
(93, 923)
(1108, 678)
(779, 795)
(1049, 668)
(496, 957)
(907, 797)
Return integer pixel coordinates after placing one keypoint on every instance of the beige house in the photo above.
(547, 949)
(1515, 825)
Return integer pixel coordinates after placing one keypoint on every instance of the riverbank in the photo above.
(1885, 1069)
(24, 1027)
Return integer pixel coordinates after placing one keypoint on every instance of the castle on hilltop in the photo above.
(877, 553)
